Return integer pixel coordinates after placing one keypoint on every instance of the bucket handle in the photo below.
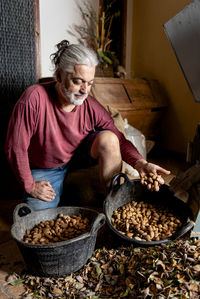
(27, 210)
(116, 180)
(99, 221)
(188, 226)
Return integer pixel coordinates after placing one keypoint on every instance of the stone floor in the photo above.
(10, 261)
(10, 257)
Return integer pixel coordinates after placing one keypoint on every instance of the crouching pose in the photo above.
(55, 124)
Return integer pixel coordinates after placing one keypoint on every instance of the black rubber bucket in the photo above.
(121, 194)
(59, 258)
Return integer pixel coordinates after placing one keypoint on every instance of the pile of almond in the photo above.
(145, 222)
(60, 229)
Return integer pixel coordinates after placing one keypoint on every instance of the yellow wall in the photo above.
(153, 57)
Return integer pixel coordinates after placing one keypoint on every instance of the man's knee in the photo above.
(105, 142)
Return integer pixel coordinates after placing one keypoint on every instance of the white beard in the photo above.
(72, 97)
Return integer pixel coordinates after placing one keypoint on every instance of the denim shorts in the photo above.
(56, 176)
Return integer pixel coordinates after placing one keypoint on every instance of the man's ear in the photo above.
(58, 75)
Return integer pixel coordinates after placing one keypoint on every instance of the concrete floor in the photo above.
(10, 257)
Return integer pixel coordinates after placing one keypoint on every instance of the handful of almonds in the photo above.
(152, 181)
(56, 230)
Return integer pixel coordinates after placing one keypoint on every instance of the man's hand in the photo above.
(144, 169)
(43, 191)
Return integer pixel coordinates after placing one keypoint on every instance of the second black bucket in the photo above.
(121, 194)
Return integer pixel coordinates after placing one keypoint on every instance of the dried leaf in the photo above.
(98, 255)
(194, 287)
(196, 268)
(98, 270)
(126, 292)
(78, 285)
(149, 261)
(158, 286)
(160, 263)
(157, 280)
(128, 281)
(12, 277)
(160, 272)
(17, 282)
(121, 269)
(105, 266)
(79, 278)
(57, 291)
(146, 292)
(180, 267)
(196, 254)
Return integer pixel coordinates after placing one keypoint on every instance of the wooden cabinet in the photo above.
(141, 101)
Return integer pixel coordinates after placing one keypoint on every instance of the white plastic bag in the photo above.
(138, 140)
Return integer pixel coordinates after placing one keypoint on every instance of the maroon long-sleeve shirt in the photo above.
(41, 134)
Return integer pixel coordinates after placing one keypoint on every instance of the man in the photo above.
(53, 123)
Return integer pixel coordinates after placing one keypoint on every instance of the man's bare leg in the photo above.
(106, 149)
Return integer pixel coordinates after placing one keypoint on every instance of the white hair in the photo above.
(67, 56)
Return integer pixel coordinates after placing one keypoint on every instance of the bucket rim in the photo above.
(97, 222)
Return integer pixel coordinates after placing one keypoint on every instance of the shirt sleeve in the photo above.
(20, 130)
(104, 121)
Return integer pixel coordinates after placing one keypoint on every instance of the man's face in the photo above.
(76, 86)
